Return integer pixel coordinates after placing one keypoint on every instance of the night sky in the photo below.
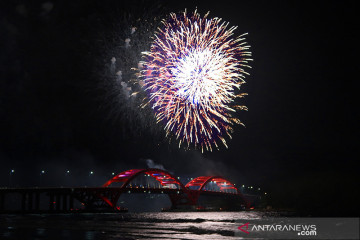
(60, 108)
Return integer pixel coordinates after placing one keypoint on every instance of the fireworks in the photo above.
(192, 74)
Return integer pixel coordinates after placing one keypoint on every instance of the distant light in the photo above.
(91, 172)
(259, 189)
(67, 171)
(265, 193)
(178, 177)
(243, 185)
(42, 171)
(113, 173)
(251, 187)
(12, 170)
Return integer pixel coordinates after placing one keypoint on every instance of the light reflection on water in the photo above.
(126, 226)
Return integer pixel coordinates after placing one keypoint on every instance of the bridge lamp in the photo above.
(243, 185)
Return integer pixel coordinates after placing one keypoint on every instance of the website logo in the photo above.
(298, 228)
(245, 225)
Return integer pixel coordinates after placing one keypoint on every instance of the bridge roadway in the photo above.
(61, 199)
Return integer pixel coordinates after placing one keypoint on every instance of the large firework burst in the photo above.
(192, 74)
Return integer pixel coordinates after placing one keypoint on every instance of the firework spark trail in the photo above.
(192, 73)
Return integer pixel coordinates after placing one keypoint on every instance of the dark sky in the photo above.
(59, 109)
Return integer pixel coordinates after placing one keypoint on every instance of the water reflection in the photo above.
(166, 225)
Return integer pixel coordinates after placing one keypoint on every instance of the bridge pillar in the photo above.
(58, 199)
(30, 201)
(23, 202)
(51, 202)
(71, 202)
(37, 201)
(193, 197)
(188, 198)
(64, 202)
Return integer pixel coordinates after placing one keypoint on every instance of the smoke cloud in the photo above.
(151, 164)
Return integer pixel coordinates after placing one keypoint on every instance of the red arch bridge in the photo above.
(155, 181)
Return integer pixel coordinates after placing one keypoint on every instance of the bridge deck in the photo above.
(61, 199)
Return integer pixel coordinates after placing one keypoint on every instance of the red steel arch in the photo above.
(162, 176)
(167, 180)
(221, 182)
